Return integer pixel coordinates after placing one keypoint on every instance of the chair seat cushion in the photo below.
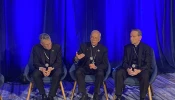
(47, 79)
(131, 81)
(89, 78)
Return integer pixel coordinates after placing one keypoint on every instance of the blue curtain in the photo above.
(69, 23)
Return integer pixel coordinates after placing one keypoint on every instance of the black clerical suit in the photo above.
(141, 57)
(53, 58)
(97, 54)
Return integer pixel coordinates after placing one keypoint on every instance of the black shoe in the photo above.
(118, 98)
(50, 98)
(84, 97)
(44, 97)
(142, 98)
(95, 96)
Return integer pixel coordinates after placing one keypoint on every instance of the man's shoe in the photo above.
(95, 96)
(50, 98)
(84, 97)
(118, 97)
(142, 98)
(44, 97)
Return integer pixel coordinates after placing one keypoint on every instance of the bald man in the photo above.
(91, 59)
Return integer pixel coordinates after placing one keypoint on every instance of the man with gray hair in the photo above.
(91, 59)
(47, 61)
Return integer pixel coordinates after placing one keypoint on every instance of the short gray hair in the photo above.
(139, 32)
(44, 36)
(96, 31)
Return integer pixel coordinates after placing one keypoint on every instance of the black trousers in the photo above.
(38, 80)
(143, 78)
(80, 75)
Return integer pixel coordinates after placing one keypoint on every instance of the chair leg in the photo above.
(73, 90)
(62, 89)
(114, 97)
(0, 97)
(106, 93)
(29, 91)
(149, 93)
(152, 93)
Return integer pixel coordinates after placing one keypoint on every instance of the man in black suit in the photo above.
(47, 61)
(92, 59)
(136, 63)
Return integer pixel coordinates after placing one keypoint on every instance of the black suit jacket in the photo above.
(101, 59)
(144, 56)
(39, 57)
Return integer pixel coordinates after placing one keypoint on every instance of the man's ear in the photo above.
(99, 39)
(140, 38)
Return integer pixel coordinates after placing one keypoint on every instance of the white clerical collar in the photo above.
(94, 45)
(136, 45)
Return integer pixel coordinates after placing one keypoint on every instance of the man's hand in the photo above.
(130, 72)
(136, 71)
(49, 71)
(92, 66)
(43, 70)
(79, 56)
(133, 73)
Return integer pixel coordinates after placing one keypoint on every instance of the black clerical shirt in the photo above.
(135, 52)
(47, 56)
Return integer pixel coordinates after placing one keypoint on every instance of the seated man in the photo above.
(136, 63)
(92, 59)
(47, 61)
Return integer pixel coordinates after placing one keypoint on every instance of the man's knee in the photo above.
(36, 74)
(120, 72)
(100, 73)
(78, 72)
(58, 72)
(144, 75)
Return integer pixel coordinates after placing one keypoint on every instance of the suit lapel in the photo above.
(88, 50)
(130, 53)
(97, 51)
(140, 54)
(42, 56)
(52, 56)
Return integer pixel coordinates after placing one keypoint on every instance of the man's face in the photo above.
(135, 38)
(46, 43)
(95, 38)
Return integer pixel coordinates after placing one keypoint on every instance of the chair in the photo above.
(1, 83)
(45, 79)
(134, 81)
(88, 79)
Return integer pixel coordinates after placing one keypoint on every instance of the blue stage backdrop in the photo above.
(69, 23)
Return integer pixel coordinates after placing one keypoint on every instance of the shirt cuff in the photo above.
(41, 68)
